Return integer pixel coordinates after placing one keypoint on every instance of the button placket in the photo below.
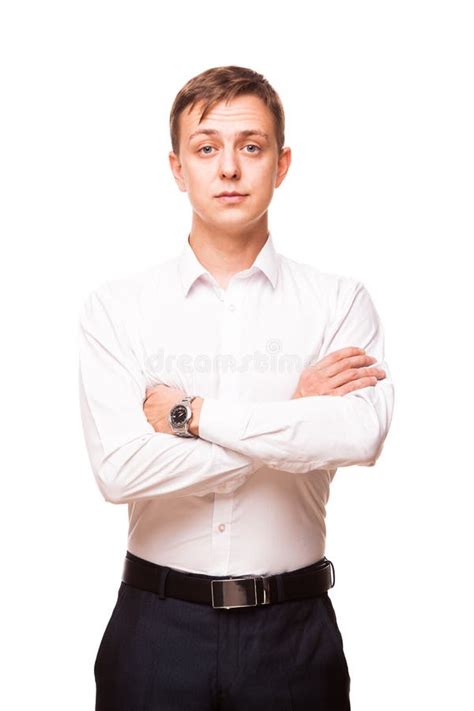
(230, 340)
(221, 529)
(228, 389)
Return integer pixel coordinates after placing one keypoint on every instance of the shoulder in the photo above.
(330, 288)
(122, 295)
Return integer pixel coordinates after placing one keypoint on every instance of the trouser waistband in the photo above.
(227, 592)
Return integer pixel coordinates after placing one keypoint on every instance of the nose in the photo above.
(229, 165)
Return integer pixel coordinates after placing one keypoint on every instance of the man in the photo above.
(220, 391)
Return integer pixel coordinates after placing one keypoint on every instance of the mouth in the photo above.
(231, 197)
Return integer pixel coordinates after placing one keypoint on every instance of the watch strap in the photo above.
(183, 430)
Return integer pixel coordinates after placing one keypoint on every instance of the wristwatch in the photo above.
(180, 416)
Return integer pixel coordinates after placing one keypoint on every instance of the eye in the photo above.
(202, 148)
(255, 148)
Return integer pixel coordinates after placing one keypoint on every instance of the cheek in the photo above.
(198, 185)
(265, 174)
(264, 183)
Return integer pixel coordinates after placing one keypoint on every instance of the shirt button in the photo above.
(231, 307)
(222, 527)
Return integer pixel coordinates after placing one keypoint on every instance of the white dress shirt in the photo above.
(249, 495)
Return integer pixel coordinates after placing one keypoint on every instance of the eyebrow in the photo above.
(213, 132)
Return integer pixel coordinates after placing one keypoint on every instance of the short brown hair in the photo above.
(225, 83)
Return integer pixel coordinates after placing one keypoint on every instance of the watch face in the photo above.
(178, 415)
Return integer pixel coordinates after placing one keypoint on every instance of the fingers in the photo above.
(355, 385)
(352, 374)
(340, 354)
(337, 359)
(349, 362)
(341, 361)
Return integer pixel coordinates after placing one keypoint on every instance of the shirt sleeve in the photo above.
(128, 458)
(321, 431)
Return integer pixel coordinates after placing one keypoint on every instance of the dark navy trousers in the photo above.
(166, 654)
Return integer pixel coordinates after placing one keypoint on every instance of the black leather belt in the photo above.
(231, 591)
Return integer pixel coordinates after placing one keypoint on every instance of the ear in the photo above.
(177, 170)
(284, 162)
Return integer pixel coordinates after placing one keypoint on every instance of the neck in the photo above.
(226, 252)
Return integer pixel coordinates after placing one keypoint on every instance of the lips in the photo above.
(230, 198)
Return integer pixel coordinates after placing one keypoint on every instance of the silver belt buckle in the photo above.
(228, 593)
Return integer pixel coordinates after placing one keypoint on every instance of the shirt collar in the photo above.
(190, 268)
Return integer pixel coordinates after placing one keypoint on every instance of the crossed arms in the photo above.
(131, 461)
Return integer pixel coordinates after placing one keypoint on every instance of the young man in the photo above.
(220, 391)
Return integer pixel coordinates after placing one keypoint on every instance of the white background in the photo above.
(379, 107)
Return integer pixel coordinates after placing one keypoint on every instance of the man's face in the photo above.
(234, 149)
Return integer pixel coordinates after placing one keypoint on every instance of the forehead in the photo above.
(243, 112)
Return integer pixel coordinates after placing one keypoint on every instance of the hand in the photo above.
(339, 373)
(158, 403)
